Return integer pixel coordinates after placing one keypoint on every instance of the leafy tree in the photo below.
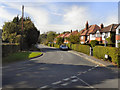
(94, 43)
(74, 39)
(50, 36)
(60, 40)
(12, 31)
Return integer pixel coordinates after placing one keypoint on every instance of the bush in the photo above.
(10, 48)
(69, 45)
(81, 48)
(94, 43)
(112, 52)
(56, 45)
(118, 45)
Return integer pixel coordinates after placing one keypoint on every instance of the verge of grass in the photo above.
(19, 56)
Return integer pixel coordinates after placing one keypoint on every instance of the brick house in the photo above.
(94, 32)
(85, 33)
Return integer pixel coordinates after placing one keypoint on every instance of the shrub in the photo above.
(56, 45)
(94, 43)
(69, 45)
(118, 45)
(112, 52)
(81, 48)
(10, 48)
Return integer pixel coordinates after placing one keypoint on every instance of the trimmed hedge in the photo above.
(80, 48)
(54, 45)
(7, 49)
(112, 52)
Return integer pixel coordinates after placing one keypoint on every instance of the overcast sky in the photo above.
(61, 16)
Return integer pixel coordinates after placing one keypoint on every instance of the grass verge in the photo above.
(20, 56)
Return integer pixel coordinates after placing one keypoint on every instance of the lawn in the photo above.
(20, 56)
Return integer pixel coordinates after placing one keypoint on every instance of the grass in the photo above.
(19, 56)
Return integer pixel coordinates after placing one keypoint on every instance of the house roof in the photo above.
(81, 31)
(91, 29)
(74, 32)
(68, 35)
(110, 28)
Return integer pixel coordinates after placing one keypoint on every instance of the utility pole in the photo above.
(21, 46)
(22, 16)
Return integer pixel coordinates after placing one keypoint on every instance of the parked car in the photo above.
(63, 47)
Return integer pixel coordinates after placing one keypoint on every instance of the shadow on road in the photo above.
(35, 75)
(51, 49)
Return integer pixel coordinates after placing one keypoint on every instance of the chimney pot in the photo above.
(101, 26)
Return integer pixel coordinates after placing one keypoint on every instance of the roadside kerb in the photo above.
(90, 58)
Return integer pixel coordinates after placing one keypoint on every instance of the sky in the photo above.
(61, 16)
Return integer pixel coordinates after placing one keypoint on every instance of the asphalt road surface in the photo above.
(58, 69)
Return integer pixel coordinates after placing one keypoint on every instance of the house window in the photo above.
(82, 37)
(106, 34)
(93, 35)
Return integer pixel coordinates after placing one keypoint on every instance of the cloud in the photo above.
(111, 19)
(73, 17)
(76, 17)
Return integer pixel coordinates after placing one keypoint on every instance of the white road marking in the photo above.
(73, 76)
(86, 83)
(84, 72)
(64, 84)
(66, 79)
(89, 69)
(74, 80)
(44, 86)
(56, 82)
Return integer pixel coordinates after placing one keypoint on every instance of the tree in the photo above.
(12, 31)
(74, 39)
(60, 40)
(50, 36)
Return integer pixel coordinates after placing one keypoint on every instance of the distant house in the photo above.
(66, 35)
(94, 32)
(85, 33)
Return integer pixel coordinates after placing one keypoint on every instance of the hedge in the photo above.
(80, 48)
(54, 45)
(7, 49)
(112, 52)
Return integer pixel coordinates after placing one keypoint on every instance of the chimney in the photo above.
(87, 25)
(101, 26)
(71, 31)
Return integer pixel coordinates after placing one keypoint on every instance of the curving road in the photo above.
(58, 69)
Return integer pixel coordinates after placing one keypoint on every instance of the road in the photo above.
(58, 69)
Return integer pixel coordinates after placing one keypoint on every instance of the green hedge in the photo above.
(7, 49)
(80, 48)
(54, 45)
(112, 52)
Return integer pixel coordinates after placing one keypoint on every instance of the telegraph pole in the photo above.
(22, 16)
(21, 46)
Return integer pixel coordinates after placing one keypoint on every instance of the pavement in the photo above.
(60, 69)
